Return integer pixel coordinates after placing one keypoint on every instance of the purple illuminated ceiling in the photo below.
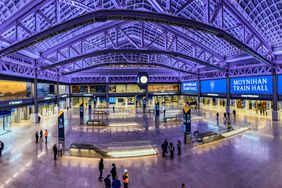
(180, 39)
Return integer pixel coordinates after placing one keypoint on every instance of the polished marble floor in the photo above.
(252, 159)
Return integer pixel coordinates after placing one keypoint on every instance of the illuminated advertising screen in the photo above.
(213, 86)
(251, 85)
(189, 87)
(279, 79)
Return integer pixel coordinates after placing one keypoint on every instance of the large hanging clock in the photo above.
(143, 80)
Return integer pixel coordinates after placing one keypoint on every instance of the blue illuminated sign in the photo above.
(251, 85)
(112, 100)
(279, 79)
(213, 86)
(189, 87)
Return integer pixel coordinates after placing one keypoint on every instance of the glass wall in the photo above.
(5, 122)
(97, 88)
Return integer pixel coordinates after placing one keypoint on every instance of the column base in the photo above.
(34, 118)
(275, 115)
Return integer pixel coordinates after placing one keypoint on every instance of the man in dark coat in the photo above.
(55, 150)
(101, 168)
(107, 181)
(36, 137)
(1, 147)
(113, 171)
(171, 150)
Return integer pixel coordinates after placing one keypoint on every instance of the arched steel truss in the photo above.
(132, 15)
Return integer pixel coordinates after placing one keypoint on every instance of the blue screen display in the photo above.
(112, 100)
(213, 86)
(279, 79)
(251, 85)
(190, 87)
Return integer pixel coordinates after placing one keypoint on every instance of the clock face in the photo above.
(143, 79)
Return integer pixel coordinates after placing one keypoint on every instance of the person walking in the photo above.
(36, 137)
(107, 181)
(41, 135)
(116, 183)
(55, 151)
(101, 168)
(217, 115)
(1, 147)
(113, 171)
(114, 110)
(46, 135)
(183, 185)
(171, 150)
(164, 110)
(60, 150)
(125, 178)
(178, 147)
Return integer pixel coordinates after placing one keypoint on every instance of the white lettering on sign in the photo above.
(15, 102)
(190, 86)
(252, 84)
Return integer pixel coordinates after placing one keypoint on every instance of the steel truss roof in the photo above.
(204, 30)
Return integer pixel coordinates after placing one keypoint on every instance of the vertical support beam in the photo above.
(275, 112)
(35, 97)
(227, 93)
(199, 91)
(69, 93)
(57, 90)
(107, 91)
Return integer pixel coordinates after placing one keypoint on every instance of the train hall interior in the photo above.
(141, 93)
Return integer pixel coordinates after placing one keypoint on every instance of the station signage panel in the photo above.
(189, 87)
(279, 81)
(214, 88)
(251, 85)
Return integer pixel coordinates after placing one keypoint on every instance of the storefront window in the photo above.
(125, 88)
(163, 88)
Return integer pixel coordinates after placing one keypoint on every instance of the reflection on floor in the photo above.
(252, 159)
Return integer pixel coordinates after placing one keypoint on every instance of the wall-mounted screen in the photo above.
(251, 85)
(213, 86)
(189, 87)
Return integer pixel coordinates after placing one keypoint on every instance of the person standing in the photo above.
(107, 181)
(183, 185)
(217, 115)
(36, 137)
(55, 151)
(171, 150)
(166, 145)
(163, 149)
(234, 113)
(114, 110)
(125, 178)
(164, 110)
(46, 135)
(41, 135)
(116, 183)
(1, 147)
(178, 147)
(101, 168)
(60, 150)
(113, 171)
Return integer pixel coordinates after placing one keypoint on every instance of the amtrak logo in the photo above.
(212, 84)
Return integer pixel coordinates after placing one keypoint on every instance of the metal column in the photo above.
(36, 119)
(107, 91)
(199, 92)
(227, 93)
(275, 112)
(57, 90)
